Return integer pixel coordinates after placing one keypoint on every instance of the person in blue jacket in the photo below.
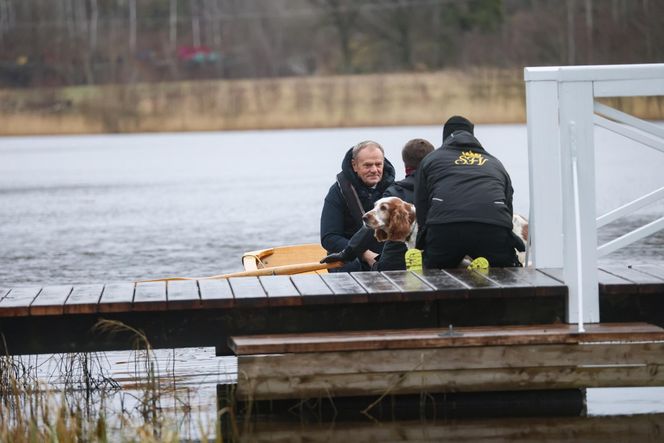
(364, 177)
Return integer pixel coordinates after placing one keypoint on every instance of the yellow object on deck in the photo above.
(480, 264)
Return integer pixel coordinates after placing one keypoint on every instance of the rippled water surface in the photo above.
(86, 209)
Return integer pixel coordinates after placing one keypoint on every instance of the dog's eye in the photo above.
(383, 207)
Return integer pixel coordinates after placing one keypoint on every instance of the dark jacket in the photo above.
(460, 182)
(337, 225)
(393, 257)
(404, 189)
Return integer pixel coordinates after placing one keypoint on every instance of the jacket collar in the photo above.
(462, 140)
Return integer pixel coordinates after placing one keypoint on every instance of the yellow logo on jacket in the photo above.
(470, 158)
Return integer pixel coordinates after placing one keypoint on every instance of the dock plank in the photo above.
(542, 284)
(613, 284)
(150, 296)
(248, 291)
(413, 287)
(183, 294)
(379, 288)
(280, 290)
(646, 283)
(556, 273)
(345, 287)
(470, 380)
(445, 285)
(478, 284)
(50, 300)
(313, 289)
(117, 297)
(216, 293)
(444, 359)
(655, 271)
(560, 333)
(17, 302)
(510, 282)
(84, 299)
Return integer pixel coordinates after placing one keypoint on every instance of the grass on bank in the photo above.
(81, 408)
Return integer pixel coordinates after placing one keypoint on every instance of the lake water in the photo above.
(86, 209)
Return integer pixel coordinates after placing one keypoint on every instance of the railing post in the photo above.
(580, 239)
(546, 225)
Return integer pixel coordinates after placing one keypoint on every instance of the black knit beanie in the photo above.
(457, 123)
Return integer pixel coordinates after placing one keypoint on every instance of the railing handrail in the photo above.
(595, 72)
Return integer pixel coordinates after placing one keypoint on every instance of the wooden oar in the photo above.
(276, 270)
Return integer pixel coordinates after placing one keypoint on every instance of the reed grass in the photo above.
(79, 408)
(484, 95)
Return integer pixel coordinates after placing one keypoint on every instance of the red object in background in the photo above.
(189, 53)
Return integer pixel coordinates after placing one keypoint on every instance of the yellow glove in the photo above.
(413, 260)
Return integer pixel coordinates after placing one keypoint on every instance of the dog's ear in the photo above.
(399, 224)
(380, 234)
(411, 213)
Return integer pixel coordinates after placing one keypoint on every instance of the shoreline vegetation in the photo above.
(486, 96)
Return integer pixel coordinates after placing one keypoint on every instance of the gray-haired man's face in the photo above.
(368, 165)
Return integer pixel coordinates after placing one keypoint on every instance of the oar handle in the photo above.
(280, 270)
(298, 268)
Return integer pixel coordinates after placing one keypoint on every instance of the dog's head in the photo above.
(391, 218)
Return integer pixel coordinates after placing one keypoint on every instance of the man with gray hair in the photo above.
(365, 175)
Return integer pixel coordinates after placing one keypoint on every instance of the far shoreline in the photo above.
(486, 96)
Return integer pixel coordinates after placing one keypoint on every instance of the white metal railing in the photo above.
(561, 113)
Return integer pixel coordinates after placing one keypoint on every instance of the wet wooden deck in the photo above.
(205, 312)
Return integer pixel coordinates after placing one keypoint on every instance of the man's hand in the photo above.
(369, 257)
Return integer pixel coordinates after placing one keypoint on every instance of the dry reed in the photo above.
(78, 409)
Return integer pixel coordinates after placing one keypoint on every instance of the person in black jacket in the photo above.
(392, 256)
(364, 177)
(463, 197)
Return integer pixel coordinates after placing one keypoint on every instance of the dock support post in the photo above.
(546, 227)
(580, 242)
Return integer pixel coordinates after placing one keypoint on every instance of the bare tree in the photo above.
(7, 17)
(571, 41)
(589, 30)
(393, 23)
(214, 25)
(173, 25)
(94, 24)
(343, 16)
(90, 41)
(132, 27)
(195, 23)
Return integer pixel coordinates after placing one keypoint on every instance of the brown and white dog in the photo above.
(394, 219)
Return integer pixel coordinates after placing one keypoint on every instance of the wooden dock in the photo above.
(633, 428)
(206, 312)
(465, 359)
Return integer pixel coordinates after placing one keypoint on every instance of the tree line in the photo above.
(73, 42)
